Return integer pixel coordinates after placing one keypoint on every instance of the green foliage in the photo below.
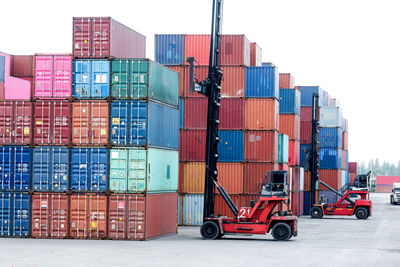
(378, 168)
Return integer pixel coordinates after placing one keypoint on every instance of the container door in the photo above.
(21, 215)
(119, 122)
(81, 81)
(61, 115)
(100, 79)
(78, 216)
(139, 78)
(62, 77)
(40, 215)
(80, 169)
(59, 215)
(6, 122)
(99, 123)
(43, 76)
(22, 123)
(162, 169)
(82, 37)
(41, 169)
(80, 122)
(98, 169)
(117, 219)
(119, 80)
(100, 37)
(137, 170)
(60, 169)
(136, 212)
(97, 211)
(5, 214)
(22, 168)
(6, 163)
(138, 123)
(42, 123)
(118, 170)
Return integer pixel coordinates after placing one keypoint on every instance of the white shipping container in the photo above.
(330, 117)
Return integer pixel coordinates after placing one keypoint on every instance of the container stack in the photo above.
(352, 172)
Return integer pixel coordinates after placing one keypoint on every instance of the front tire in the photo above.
(210, 230)
(316, 213)
(361, 213)
(281, 232)
(391, 201)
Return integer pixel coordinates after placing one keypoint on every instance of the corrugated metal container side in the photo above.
(254, 174)
(144, 79)
(15, 214)
(306, 203)
(289, 101)
(307, 93)
(305, 113)
(330, 137)
(255, 55)
(331, 177)
(286, 80)
(138, 170)
(89, 169)
(196, 113)
(230, 176)
(180, 208)
(383, 188)
(330, 117)
(330, 158)
(17, 88)
(15, 122)
(294, 153)
(88, 216)
(301, 176)
(353, 167)
(22, 66)
(335, 103)
(51, 122)
(198, 46)
(283, 148)
(235, 50)
(305, 132)
(2, 92)
(261, 114)
(50, 166)
(261, 146)
(91, 79)
(307, 181)
(2, 67)
(170, 49)
(103, 37)
(327, 196)
(180, 177)
(183, 77)
(352, 178)
(141, 123)
(90, 123)
(15, 168)
(345, 141)
(262, 82)
(192, 145)
(53, 76)
(231, 146)
(231, 114)
(193, 206)
(289, 124)
(193, 177)
(181, 113)
(303, 148)
(387, 180)
(50, 215)
(5, 67)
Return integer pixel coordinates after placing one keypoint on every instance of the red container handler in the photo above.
(261, 146)
(51, 124)
(254, 174)
(15, 123)
(50, 215)
(103, 37)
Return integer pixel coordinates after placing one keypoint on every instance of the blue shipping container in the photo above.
(266, 64)
(330, 158)
(50, 169)
(91, 79)
(262, 82)
(302, 148)
(89, 169)
(15, 168)
(307, 94)
(181, 113)
(330, 137)
(306, 203)
(2, 68)
(170, 49)
(289, 101)
(231, 146)
(140, 123)
(14, 214)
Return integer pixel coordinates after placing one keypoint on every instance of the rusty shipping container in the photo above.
(198, 46)
(50, 215)
(235, 50)
(103, 37)
(254, 174)
(289, 124)
(51, 122)
(305, 132)
(286, 81)
(192, 145)
(15, 122)
(22, 65)
(255, 55)
(261, 146)
(141, 217)
(262, 114)
(307, 181)
(193, 177)
(90, 123)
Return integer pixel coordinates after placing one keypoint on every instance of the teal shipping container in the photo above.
(139, 170)
(144, 79)
(283, 148)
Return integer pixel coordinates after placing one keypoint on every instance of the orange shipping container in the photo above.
(183, 76)
(384, 188)
(307, 181)
(180, 177)
(289, 124)
(261, 146)
(254, 174)
(261, 114)
(90, 122)
(286, 81)
(193, 177)
(331, 177)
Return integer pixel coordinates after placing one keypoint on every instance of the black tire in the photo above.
(210, 230)
(391, 200)
(316, 213)
(281, 232)
(361, 213)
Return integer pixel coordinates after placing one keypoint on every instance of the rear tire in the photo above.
(361, 213)
(281, 232)
(316, 213)
(210, 230)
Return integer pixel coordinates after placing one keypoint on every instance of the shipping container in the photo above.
(14, 214)
(91, 79)
(193, 177)
(183, 76)
(254, 175)
(289, 124)
(50, 215)
(261, 146)
(330, 117)
(387, 180)
(90, 123)
(305, 132)
(192, 211)
(330, 137)
(330, 158)
(283, 167)
(383, 188)
(344, 160)
(89, 169)
(5, 65)
(289, 101)
(15, 168)
(51, 122)
(345, 125)
(235, 50)
(305, 113)
(22, 65)
(294, 153)
(301, 181)
(181, 113)
(141, 123)
(255, 55)
(283, 148)
(2, 92)
(261, 114)
(15, 122)
(231, 146)
(345, 141)
(192, 146)
(17, 88)
(353, 167)
(198, 46)
(144, 79)
(307, 181)
(306, 203)
(88, 216)
(286, 80)
(335, 103)
(50, 166)
(303, 149)
(170, 49)
(53, 76)
(331, 177)
(352, 178)
(180, 208)
(262, 82)
(103, 37)
(196, 113)
(138, 170)
(307, 95)
(327, 196)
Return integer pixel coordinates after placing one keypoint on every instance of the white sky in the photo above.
(351, 48)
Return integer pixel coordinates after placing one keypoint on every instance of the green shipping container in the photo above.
(283, 150)
(139, 170)
(144, 79)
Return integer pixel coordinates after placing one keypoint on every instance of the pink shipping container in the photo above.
(305, 113)
(261, 146)
(103, 37)
(53, 76)
(286, 81)
(255, 55)
(15, 122)
(352, 167)
(387, 180)
(22, 66)
(192, 145)
(198, 46)
(235, 50)
(17, 89)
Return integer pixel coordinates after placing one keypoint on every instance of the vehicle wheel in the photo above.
(281, 232)
(361, 213)
(210, 230)
(391, 201)
(316, 213)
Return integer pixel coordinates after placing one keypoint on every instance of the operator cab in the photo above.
(361, 182)
(275, 184)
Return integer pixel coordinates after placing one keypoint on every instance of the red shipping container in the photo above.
(235, 50)
(305, 132)
(305, 113)
(192, 145)
(345, 141)
(198, 46)
(262, 114)
(254, 174)
(353, 167)
(50, 215)
(384, 188)
(289, 124)
(331, 177)
(103, 37)
(2, 92)
(195, 113)
(307, 181)
(90, 123)
(88, 216)
(387, 180)
(255, 55)
(22, 66)
(231, 114)
(294, 153)
(15, 122)
(183, 77)
(261, 146)
(286, 81)
(51, 122)
(352, 178)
